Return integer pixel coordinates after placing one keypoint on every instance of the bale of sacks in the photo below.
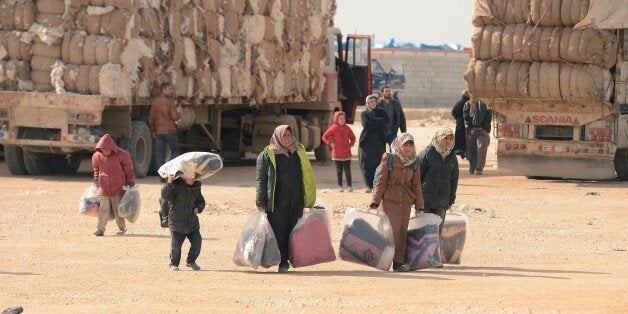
(533, 12)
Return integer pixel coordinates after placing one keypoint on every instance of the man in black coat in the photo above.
(460, 143)
(396, 117)
(477, 120)
(372, 144)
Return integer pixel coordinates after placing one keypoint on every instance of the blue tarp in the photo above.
(407, 45)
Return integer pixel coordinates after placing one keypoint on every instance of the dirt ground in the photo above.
(532, 246)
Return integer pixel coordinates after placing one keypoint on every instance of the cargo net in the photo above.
(531, 50)
(264, 50)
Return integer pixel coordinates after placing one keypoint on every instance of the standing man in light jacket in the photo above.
(285, 185)
(162, 117)
(113, 169)
(396, 118)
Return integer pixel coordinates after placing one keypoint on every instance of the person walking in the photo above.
(439, 174)
(397, 190)
(340, 138)
(186, 201)
(396, 117)
(162, 117)
(460, 143)
(477, 120)
(113, 169)
(285, 185)
(372, 140)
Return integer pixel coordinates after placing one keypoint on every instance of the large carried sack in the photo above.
(367, 239)
(89, 204)
(257, 244)
(129, 206)
(310, 240)
(453, 236)
(200, 164)
(422, 244)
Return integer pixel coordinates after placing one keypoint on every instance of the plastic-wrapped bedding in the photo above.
(201, 165)
(257, 245)
(422, 249)
(453, 237)
(89, 203)
(367, 239)
(130, 203)
(310, 239)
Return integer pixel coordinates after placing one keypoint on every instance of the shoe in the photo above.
(283, 268)
(478, 172)
(174, 268)
(399, 267)
(439, 266)
(193, 266)
(471, 171)
(99, 233)
(350, 189)
(340, 189)
(120, 231)
(369, 190)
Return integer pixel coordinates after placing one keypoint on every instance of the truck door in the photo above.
(355, 73)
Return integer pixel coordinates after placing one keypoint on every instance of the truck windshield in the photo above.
(358, 51)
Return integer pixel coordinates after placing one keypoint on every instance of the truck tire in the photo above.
(37, 164)
(14, 156)
(621, 164)
(140, 147)
(69, 164)
(323, 153)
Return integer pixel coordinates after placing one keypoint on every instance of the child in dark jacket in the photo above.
(186, 202)
(340, 138)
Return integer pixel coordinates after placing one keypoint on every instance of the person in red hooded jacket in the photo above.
(340, 138)
(113, 169)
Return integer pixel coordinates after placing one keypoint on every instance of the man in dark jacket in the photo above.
(372, 140)
(460, 143)
(113, 169)
(396, 118)
(477, 120)
(186, 202)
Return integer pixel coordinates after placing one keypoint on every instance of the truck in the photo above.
(73, 70)
(555, 75)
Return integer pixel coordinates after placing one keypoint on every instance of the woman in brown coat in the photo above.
(397, 190)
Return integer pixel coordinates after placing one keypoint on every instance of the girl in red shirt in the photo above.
(340, 138)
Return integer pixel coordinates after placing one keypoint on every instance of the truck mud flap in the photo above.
(562, 168)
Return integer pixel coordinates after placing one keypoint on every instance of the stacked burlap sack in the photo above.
(211, 50)
(529, 49)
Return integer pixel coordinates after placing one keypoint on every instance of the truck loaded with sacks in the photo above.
(72, 70)
(555, 74)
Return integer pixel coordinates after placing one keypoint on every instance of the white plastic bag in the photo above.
(89, 204)
(310, 239)
(367, 238)
(201, 165)
(129, 206)
(257, 244)
(422, 246)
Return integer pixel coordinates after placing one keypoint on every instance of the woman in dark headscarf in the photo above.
(439, 173)
(372, 140)
(285, 185)
(397, 189)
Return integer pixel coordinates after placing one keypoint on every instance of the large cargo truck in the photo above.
(73, 70)
(555, 73)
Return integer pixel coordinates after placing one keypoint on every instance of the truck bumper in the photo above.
(557, 159)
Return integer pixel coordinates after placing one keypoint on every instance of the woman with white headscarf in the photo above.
(439, 173)
(397, 190)
(372, 139)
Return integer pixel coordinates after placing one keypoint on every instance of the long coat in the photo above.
(460, 143)
(341, 136)
(439, 178)
(372, 142)
(113, 171)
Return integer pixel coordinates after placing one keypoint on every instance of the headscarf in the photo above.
(397, 145)
(437, 141)
(366, 102)
(275, 141)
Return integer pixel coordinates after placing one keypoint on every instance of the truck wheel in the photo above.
(621, 164)
(323, 153)
(37, 164)
(14, 155)
(140, 147)
(66, 164)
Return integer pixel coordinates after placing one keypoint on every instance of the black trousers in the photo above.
(177, 242)
(283, 220)
(346, 166)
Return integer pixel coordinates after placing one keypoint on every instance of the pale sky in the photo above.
(427, 21)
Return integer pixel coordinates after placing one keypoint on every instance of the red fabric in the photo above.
(113, 171)
(341, 136)
(311, 244)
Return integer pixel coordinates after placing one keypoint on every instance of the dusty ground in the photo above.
(541, 246)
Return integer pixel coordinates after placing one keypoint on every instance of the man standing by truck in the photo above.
(162, 118)
(397, 120)
(477, 120)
